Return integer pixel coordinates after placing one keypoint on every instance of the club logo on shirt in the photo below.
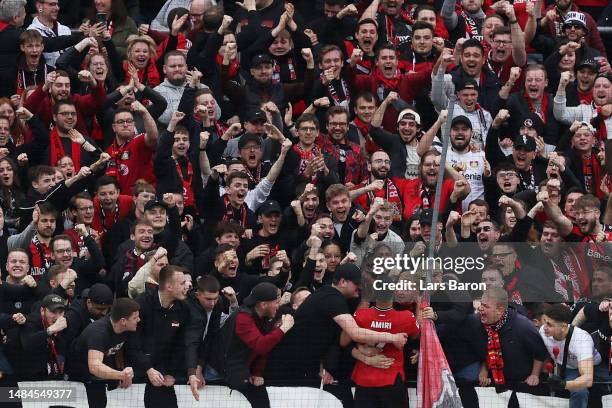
(125, 155)
(474, 164)
(124, 170)
(113, 350)
(175, 324)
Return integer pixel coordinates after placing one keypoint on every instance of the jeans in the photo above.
(578, 398)
(467, 392)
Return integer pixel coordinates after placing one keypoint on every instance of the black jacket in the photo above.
(160, 336)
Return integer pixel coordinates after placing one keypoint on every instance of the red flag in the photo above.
(435, 384)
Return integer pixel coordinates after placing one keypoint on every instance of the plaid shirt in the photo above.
(353, 157)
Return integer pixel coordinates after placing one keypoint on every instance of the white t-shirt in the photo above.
(412, 163)
(474, 166)
(581, 348)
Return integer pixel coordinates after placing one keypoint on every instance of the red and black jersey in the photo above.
(388, 321)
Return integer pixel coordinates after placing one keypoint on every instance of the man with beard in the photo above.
(359, 127)
(88, 269)
(47, 25)
(369, 234)
(406, 147)
(556, 15)
(65, 140)
(463, 20)
(534, 99)
(44, 222)
(388, 78)
(94, 304)
(131, 154)
(57, 88)
(393, 23)
(175, 72)
(466, 104)
(472, 65)
(379, 184)
(420, 192)
(349, 156)
(160, 341)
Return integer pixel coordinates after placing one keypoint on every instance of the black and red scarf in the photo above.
(599, 123)
(57, 150)
(495, 359)
(471, 27)
(41, 258)
(186, 181)
(234, 67)
(229, 212)
(343, 99)
(543, 107)
(277, 77)
(391, 194)
(426, 195)
(305, 157)
(55, 366)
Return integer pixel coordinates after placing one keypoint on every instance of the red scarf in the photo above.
(544, 107)
(277, 77)
(364, 129)
(390, 194)
(305, 158)
(234, 66)
(471, 27)
(57, 150)
(109, 219)
(389, 84)
(592, 175)
(229, 212)
(116, 153)
(187, 189)
(495, 360)
(54, 366)
(599, 123)
(148, 75)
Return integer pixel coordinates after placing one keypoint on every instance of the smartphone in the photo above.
(101, 18)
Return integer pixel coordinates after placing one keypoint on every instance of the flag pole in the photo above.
(436, 207)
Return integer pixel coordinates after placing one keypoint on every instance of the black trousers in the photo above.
(159, 397)
(96, 394)
(390, 396)
(257, 396)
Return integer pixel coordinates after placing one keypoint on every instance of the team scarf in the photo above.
(55, 367)
(495, 359)
(149, 75)
(599, 123)
(57, 150)
(343, 99)
(403, 17)
(390, 84)
(390, 193)
(364, 129)
(41, 258)
(305, 157)
(592, 175)
(234, 66)
(471, 27)
(256, 177)
(277, 75)
(135, 261)
(105, 218)
(543, 108)
(567, 283)
(116, 153)
(186, 182)
(229, 212)
(426, 194)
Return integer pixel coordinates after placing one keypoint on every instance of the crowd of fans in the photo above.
(196, 193)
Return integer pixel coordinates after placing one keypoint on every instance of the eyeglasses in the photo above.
(583, 212)
(252, 147)
(485, 229)
(122, 122)
(502, 254)
(64, 251)
(67, 113)
(508, 174)
(502, 43)
(307, 129)
(381, 161)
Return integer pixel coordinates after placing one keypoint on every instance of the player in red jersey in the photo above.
(382, 386)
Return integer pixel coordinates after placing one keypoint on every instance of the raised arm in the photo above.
(427, 139)
(151, 132)
(371, 11)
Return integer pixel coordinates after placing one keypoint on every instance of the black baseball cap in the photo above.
(531, 120)
(100, 294)
(348, 271)
(262, 292)
(426, 216)
(525, 141)
(270, 207)
(467, 83)
(256, 115)
(588, 63)
(461, 119)
(248, 137)
(154, 203)
(261, 59)
(54, 302)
